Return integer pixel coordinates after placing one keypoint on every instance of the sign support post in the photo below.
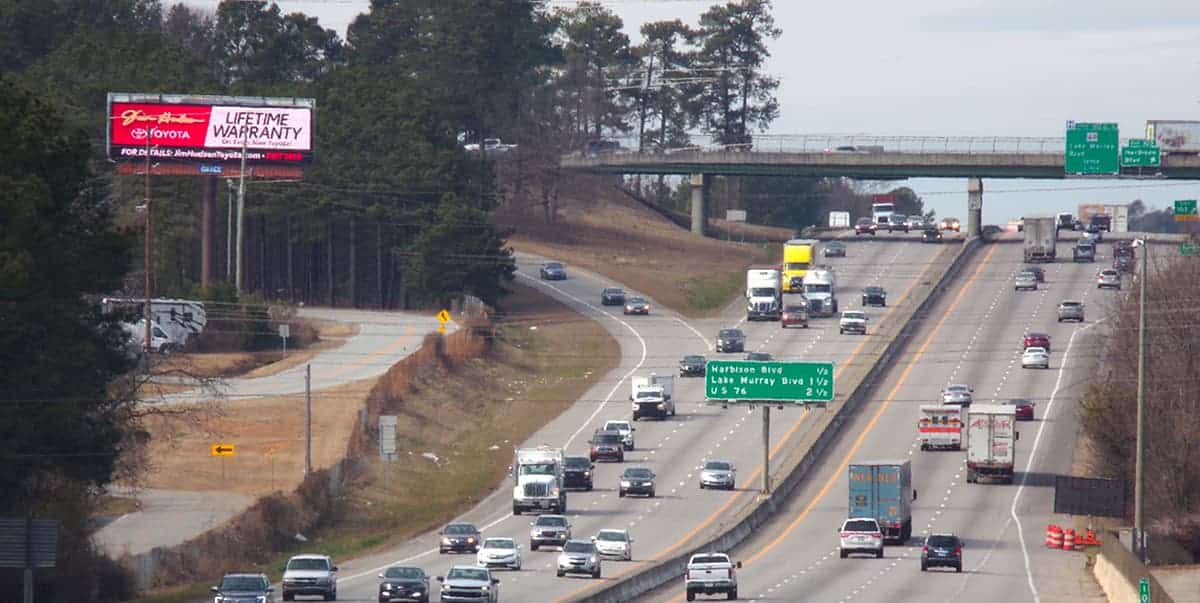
(307, 419)
(766, 451)
(241, 208)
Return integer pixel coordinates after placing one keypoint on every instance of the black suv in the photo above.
(931, 235)
(245, 587)
(941, 550)
(692, 366)
(874, 296)
(731, 340)
(577, 472)
(612, 296)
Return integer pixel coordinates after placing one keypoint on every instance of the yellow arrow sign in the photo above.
(443, 317)
(223, 449)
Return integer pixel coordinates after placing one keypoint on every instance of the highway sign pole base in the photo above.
(766, 441)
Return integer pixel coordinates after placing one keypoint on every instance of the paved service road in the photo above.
(170, 517)
(673, 448)
(972, 336)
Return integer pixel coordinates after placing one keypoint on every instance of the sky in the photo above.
(960, 68)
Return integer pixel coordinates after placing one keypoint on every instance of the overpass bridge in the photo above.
(869, 158)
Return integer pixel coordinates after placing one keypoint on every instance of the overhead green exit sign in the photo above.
(1092, 149)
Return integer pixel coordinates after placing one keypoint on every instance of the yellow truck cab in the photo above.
(798, 257)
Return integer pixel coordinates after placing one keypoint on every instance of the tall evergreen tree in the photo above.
(733, 51)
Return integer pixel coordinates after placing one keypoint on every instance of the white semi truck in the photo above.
(538, 473)
(820, 289)
(763, 294)
(1041, 238)
(651, 396)
(991, 442)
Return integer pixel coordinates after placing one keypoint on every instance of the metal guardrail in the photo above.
(861, 144)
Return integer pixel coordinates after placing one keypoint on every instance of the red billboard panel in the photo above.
(275, 131)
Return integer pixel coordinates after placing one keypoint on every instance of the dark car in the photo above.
(1037, 340)
(1037, 271)
(553, 271)
(1123, 264)
(692, 366)
(1083, 252)
(864, 226)
(458, 537)
(637, 480)
(731, 340)
(607, 445)
(931, 235)
(1024, 408)
(1095, 231)
(793, 316)
(874, 296)
(758, 357)
(577, 472)
(941, 550)
(834, 249)
(612, 296)
(1123, 249)
(245, 587)
(403, 583)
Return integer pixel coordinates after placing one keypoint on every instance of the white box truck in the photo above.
(839, 219)
(1041, 239)
(651, 396)
(538, 473)
(763, 294)
(940, 426)
(991, 442)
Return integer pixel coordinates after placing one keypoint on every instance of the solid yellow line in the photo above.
(758, 471)
(874, 419)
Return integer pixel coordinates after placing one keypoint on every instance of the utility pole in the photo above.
(766, 439)
(148, 258)
(229, 231)
(307, 419)
(241, 208)
(1139, 476)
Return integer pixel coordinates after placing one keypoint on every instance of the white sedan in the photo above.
(499, 552)
(614, 543)
(1035, 358)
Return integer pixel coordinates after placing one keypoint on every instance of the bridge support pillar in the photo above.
(974, 207)
(699, 203)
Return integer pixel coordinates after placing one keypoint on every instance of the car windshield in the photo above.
(693, 359)
(578, 546)
(554, 266)
(1035, 351)
(1109, 273)
(460, 528)
(855, 315)
(717, 466)
(942, 541)
(957, 389)
(638, 472)
(617, 426)
(818, 288)
(729, 333)
(614, 291)
(467, 573)
(243, 584)
(796, 266)
(1071, 304)
(835, 246)
(873, 290)
(499, 543)
(307, 564)
(404, 573)
(861, 525)
(551, 521)
(609, 438)
(578, 461)
(611, 536)
(637, 300)
(762, 292)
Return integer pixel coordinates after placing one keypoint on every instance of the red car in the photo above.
(1037, 340)
(1024, 409)
(794, 316)
(864, 226)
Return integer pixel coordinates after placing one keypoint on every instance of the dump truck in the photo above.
(1041, 239)
(882, 490)
(991, 442)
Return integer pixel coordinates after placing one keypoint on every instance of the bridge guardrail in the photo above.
(865, 144)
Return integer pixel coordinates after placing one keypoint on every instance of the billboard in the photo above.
(210, 130)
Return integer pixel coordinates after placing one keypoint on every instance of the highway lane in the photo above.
(672, 448)
(974, 337)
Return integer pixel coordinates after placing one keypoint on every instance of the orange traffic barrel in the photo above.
(1054, 537)
(1068, 543)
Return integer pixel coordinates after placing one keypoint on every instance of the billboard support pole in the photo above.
(241, 207)
(148, 258)
(229, 231)
(766, 440)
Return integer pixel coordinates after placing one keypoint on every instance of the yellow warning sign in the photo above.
(223, 450)
(443, 316)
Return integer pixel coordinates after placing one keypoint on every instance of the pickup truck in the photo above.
(853, 321)
(711, 573)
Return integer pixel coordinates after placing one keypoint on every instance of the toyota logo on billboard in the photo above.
(138, 133)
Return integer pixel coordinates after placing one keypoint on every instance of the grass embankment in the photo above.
(461, 409)
(692, 275)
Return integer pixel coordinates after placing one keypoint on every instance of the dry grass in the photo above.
(115, 506)
(255, 364)
(638, 248)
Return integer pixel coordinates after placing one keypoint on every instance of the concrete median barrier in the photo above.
(808, 452)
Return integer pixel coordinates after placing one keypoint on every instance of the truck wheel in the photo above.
(879, 553)
(636, 416)
(289, 597)
(691, 596)
(620, 494)
(843, 553)
(596, 574)
(533, 545)
(731, 595)
(516, 510)
(560, 573)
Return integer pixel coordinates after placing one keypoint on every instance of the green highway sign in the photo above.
(748, 380)
(1092, 149)
(1188, 249)
(1142, 142)
(1142, 154)
(1185, 211)
(1144, 590)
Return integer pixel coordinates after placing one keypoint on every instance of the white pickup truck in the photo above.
(711, 573)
